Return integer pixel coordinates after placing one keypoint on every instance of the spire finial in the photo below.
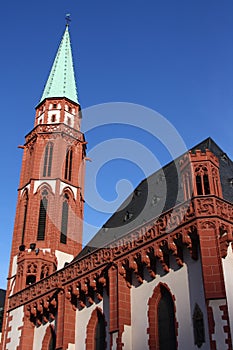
(68, 19)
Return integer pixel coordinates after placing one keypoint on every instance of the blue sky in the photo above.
(175, 57)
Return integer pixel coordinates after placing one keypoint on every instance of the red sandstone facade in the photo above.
(164, 285)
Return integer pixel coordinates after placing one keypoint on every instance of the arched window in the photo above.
(31, 273)
(49, 341)
(25, 208)
(96, 333)
(198, 326)
(166, 324)
(100, 332)
(42, 216)
(162, 323)
(202, 180)
(52, 342)
(44, 271)
(48, 157)
(199, 185)
(64, 219)
(30, 280)
(68, 164)
(206, 184)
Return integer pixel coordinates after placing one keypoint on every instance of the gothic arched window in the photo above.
(52, 342)
(31, 273)
(202, 180)
(49, 341)
(48, 157)
(25, 208)
(162, 323)
(100, 332)
(30, 280)
(64, 219)
(42, 216)
(68, 164)
(198, 326)
(166, 324)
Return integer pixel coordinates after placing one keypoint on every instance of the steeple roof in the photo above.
(61, 81)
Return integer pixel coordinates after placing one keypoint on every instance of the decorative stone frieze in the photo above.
(54, 128)
(86, 290)
(42, 310)
(155, 241)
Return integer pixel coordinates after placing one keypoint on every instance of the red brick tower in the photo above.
(48, 223)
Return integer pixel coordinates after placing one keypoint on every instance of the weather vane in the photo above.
(68, 19)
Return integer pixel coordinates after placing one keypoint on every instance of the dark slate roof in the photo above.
(2, 301)
(154, 195)
(2, 297)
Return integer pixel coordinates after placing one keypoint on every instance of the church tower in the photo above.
(49, 214)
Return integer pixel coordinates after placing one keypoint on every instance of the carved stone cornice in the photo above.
(43, 310)
(54, 129)
(157, 239)
(159, 250)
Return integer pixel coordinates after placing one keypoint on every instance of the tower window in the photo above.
(44, 271)
(42, 217)
(68, 164)
(202, 181)
(30, 280)
(64, 220)
(24, 215)
(68, 120)
(53, 118)
(206, 184)
(199, 185)
(48, 157)
(54, 105)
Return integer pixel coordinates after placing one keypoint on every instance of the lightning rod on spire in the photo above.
(68, 19)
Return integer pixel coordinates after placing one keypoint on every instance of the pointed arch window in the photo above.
(68, 164)
(198, 326)
(42, 216)
(162, 322)
(25, 208)
(48, 157)
(166, 324)
(100, 332)
(49, 341)
(64, 219)
(202, 180)
(52, 342)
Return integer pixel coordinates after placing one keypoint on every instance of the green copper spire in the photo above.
(61, 80)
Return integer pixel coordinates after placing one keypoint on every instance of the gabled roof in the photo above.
(155, 195)
(61, 81)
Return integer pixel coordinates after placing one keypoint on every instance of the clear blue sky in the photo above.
(175, 57)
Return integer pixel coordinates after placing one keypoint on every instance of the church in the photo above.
(156, 276)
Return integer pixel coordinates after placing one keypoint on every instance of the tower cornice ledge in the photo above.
(56, 128)
(57, 98)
